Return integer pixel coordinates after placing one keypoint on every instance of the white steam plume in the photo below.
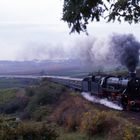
(101, 101)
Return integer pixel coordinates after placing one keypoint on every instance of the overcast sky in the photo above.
(28, 27)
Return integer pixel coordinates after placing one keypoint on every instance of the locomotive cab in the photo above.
(86, 84)
(96, 88)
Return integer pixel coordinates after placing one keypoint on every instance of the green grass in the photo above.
(42, 112)
(72, 136)
(7, 95)
(76, 136)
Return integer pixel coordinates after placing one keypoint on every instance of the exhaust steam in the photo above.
(105, 102)
(126, 50)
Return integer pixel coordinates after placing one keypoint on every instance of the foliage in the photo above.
(7, 95)
(30, 91)
(131, 133)
(78, 13)
(42, 100)
(16, 130)
(78, 118)
(69, 112)
(12, 100)
(34, 101)
(71, 135)
(41, 113)
(77, 115)
(17, 104)
(44, 95)
(96, 124)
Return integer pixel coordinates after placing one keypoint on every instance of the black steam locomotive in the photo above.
(124, 91)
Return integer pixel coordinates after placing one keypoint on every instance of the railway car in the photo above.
(75, 83)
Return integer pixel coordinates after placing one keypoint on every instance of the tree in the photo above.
(78, 13)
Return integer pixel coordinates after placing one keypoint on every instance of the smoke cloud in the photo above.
(93, 53)
(46, 51)
(116, 51)
(126, 50)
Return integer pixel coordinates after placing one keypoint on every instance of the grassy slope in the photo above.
(77, 136)
(75, 117)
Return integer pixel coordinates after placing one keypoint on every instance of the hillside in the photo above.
(62, 113)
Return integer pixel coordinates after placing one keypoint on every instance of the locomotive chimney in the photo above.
(132, 74)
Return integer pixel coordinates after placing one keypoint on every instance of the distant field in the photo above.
(17, 82)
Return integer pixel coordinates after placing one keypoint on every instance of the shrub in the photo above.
(94, 123)
(30, 91)
(7, 95)
(10, 129)
(69, 112)
(25, 115)
(41, 113)
(42, 99)
(130, 132)
(47, 94)
(17, 104)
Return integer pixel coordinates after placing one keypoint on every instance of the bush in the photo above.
(47, 94)
(42, 99)
(10, 129)
(96, 123)
(41, 113)
(130, 132)
(30, 91)
(7, 95)
(17, 104)
(69, 112)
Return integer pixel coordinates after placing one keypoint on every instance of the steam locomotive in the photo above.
(124, 91)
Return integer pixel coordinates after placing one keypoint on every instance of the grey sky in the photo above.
(27, 25)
